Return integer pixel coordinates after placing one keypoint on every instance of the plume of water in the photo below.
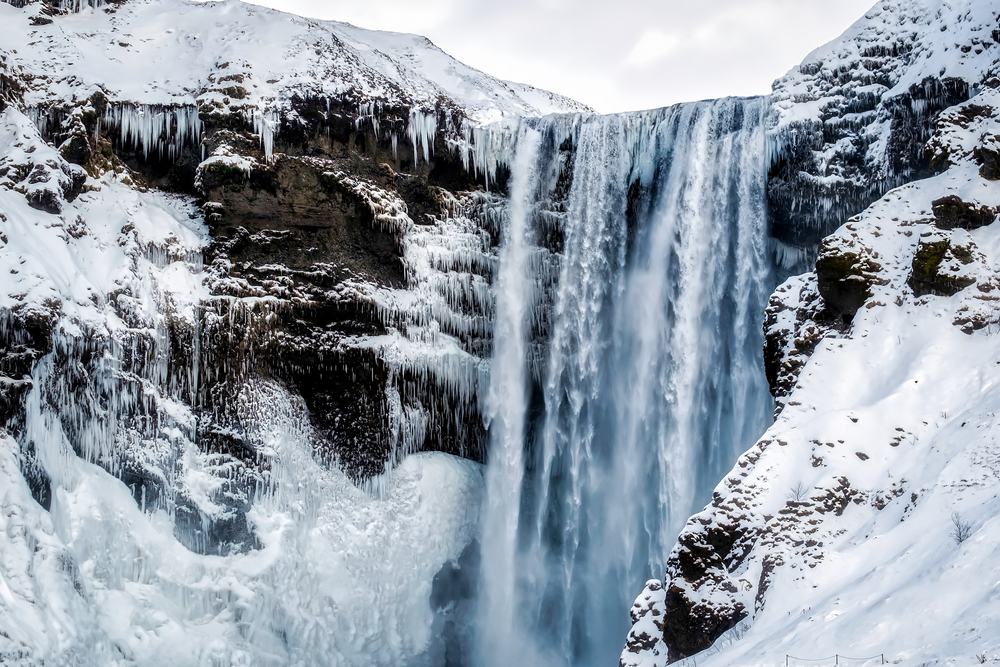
(506, 405)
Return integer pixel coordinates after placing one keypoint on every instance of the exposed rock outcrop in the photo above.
(644, 646)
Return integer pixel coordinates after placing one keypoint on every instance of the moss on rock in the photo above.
(844, 276)
(928, 276)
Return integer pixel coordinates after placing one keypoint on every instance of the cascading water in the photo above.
(182, 514)
(507, 405)
(650, 382)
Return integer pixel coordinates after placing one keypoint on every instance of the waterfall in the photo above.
(649, 382)
(506, 406)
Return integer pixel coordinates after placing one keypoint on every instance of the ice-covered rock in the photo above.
(851, 122)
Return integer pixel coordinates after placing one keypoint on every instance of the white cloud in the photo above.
(652, 46)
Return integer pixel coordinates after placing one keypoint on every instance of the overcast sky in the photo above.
(615, 55)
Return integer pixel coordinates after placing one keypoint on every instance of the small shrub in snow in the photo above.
(797, 492)
(962, 529)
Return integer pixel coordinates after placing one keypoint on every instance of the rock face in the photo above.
(346, 251)
(242, 289)
(853, 120)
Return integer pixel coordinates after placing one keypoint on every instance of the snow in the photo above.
(929, 32)
(186, 53)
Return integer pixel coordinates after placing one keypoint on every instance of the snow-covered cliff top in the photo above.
(185, 52)
(896, 44)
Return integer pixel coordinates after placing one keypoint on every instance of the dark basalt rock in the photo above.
(952, 213)
(841, 281)
(453, 600)
(692, 621)
(989, 157)
(308, 217)
(292, 241)
(844, 277)
(25, 337)
(927, 276)
(45, 200)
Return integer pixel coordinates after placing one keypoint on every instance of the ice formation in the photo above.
(164, 131)
(422, 130)
(264, 125)
(339, 577)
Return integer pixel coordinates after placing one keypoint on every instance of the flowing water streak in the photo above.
(506, 405)
(653, 382)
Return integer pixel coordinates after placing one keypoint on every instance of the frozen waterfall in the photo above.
(626, 374)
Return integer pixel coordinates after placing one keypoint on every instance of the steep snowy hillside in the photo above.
(865, 521)
(851, 121)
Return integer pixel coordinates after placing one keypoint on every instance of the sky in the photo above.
(614, 55)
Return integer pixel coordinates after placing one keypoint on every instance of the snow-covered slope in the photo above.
(240, 56)
(836, 532)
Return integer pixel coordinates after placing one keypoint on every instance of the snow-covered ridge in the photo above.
(895, 45)
(236, 55)
(850, 122)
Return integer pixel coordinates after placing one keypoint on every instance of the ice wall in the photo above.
(135, 532)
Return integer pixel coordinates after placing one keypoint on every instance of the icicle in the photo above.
(264, 125)
(368, 112)
(165, 131)
(422, 130)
